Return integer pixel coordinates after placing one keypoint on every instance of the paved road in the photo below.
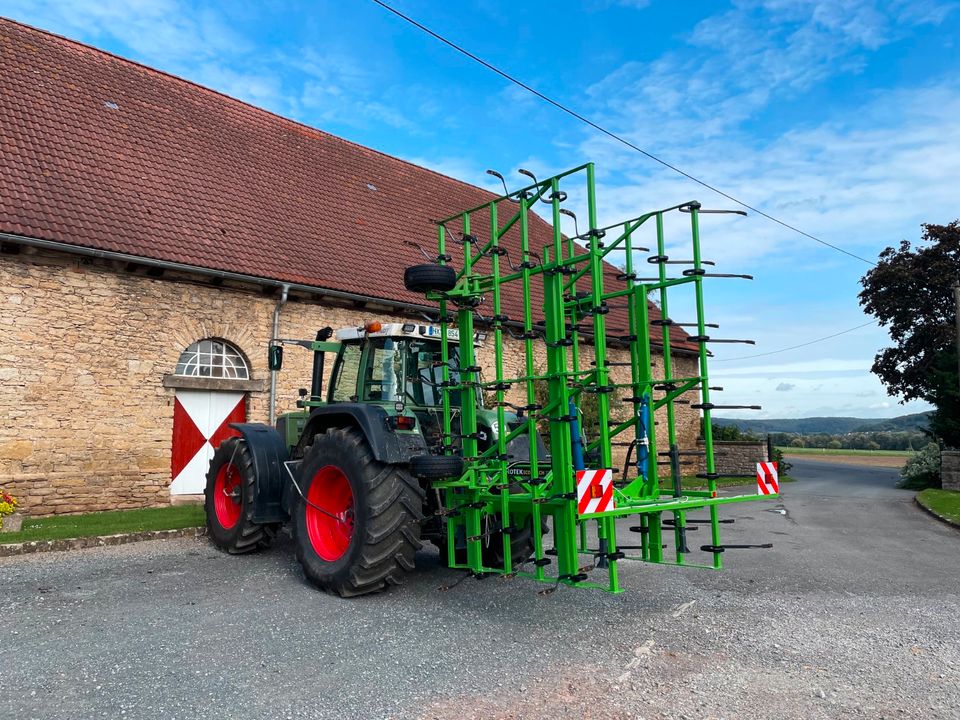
(854, 613)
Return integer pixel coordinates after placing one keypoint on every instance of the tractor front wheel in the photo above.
(229, 498)
(357, 526)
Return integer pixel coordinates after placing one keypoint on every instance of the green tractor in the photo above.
(353, 469)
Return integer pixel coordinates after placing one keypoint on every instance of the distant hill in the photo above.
(830, 425)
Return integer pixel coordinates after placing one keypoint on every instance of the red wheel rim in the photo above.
(330, 528)
(227, 500)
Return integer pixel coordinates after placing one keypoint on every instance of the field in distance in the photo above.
(873, 458)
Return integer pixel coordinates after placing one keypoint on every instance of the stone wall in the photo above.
(950, 469)
(738, 457)
(84, 348)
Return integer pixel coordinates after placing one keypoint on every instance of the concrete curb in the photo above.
(933, 513)
(37, 546)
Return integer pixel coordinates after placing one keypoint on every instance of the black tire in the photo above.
(384, 513)
(521, 545)
(236, 489)
(436, 467)
(429, 278)
(521, 548)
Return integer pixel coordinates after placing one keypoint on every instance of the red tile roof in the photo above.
(104, 153)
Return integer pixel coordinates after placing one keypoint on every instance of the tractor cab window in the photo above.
(408, 371)
(345, 375)
(426, 373)
(383, 376)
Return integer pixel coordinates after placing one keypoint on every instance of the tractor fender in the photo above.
(387, 445)
(269, 454)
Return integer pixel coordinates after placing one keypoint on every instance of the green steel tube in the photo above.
(530, 370)
(468, 409)
(561, 455)
(501, 443)
(704, 379)
(606, 528)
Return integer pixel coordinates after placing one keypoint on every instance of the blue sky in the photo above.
(840, 117)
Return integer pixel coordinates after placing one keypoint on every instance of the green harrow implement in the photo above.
(579, 501)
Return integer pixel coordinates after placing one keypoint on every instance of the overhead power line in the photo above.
(611, 134)
(794, 347)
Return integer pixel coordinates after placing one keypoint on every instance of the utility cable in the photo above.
(794, 347)
(611, 134)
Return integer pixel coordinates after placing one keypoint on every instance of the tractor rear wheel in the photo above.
(357, 527)
(229, 499)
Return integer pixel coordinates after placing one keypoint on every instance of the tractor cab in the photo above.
(397, 368)
(395, 364)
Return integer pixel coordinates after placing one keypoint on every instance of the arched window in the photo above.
(214, 359)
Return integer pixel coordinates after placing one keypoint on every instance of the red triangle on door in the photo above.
(187, 439)
(237, 415)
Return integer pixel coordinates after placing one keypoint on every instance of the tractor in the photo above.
(352, 469)
(413, 441)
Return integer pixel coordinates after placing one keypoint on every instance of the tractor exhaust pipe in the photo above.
(316, 385)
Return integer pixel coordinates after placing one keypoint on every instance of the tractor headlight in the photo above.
(494, 429)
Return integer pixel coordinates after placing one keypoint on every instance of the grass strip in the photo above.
(115, 522)
(945, 503)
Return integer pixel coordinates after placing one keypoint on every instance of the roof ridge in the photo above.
(213, 91)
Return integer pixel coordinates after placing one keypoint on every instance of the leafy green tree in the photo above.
(730, 432)
(910, 291)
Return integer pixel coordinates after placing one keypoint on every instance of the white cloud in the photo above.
(803, 367)
(860, 181)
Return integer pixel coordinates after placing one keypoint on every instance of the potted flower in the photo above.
(10, 520)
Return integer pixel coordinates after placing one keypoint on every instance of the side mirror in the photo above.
(275, 357)
(302, 392)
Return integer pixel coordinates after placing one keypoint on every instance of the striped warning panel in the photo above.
(768, 482)
(594, 491)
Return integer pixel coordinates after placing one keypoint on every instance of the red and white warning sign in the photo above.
(768, 482)
(594, 491)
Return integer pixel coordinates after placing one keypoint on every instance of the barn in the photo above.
(155, 235)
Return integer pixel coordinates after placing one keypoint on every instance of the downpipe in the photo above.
(281, 301)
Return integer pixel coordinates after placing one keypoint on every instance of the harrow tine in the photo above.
(722, 548)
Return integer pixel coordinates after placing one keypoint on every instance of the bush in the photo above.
(922, 470)
(782, 465)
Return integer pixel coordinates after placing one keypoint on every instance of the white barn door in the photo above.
(201, 420)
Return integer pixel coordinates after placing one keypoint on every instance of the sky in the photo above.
(840, 117)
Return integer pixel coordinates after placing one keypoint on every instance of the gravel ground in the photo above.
(852, 614)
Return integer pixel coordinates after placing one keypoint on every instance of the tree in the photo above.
(910, 292)
(729, 432)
